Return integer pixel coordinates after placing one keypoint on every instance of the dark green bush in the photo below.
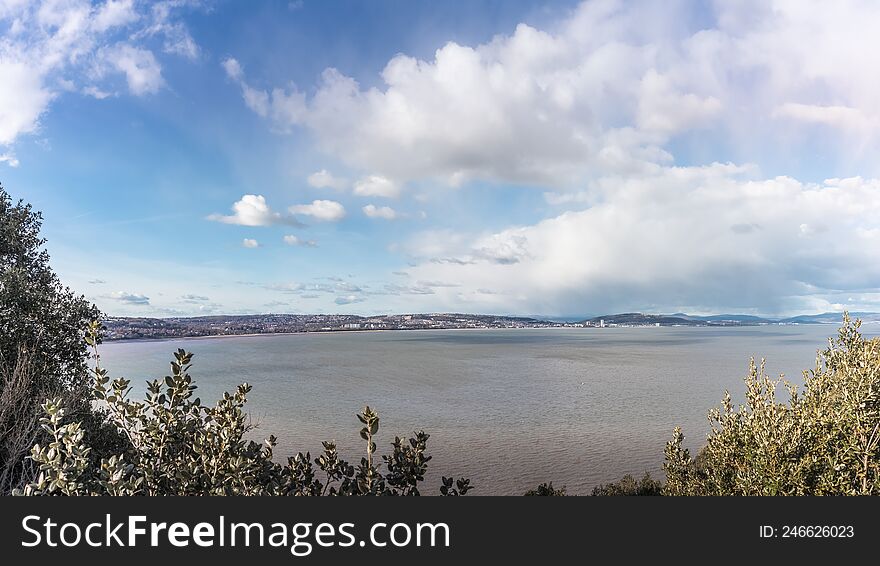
(42, 344)
(546, 490)
(628, 485)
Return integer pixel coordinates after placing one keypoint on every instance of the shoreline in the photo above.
(346, 331)
(379, 330)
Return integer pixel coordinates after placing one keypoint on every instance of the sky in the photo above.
(563, 159)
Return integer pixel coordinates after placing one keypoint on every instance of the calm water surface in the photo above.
(507, 408)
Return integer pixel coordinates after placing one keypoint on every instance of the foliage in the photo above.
(628, 485)
(42, 346)
(546, 490)
(178, 446)
(824, 441)
(37, 313)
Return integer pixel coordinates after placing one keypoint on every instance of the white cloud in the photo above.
(250, 243)
(384, 212)
(325, 179)
(392, 289)
(283, 107)
(114, 13)
(95, 92)
(232, 68)
(698, 238)
(323, 210)
(130, 298)
(50, 47)
(662, 109)
(835, 116)
(291, 240)
(376, 186)
(23, 99)
(600, 92)
(164, 23)
(252, 210)
(9, 159)
(142, 71)
(348, 299)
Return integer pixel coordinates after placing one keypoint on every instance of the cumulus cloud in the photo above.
(376, 186)
(323, 210)
(384, 212)
(252, 210)
(250, 243)
(50, 47)
(325, 179)
(599, 92)
(190, 298)
(292, 240)
(130, 298)
(348, 299)
(689, 238)
(23, 99)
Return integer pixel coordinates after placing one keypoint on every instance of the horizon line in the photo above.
(540, 318)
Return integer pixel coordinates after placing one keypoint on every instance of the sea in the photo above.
(507, 408)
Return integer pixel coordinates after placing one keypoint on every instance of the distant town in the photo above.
(132, 328)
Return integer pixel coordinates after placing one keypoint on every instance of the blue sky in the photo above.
(549, 158)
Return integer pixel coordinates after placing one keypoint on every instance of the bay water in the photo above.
(507, 408)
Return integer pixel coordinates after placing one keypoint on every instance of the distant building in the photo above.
(602, 323)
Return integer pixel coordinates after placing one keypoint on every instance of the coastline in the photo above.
(378, 330)
(345, 331)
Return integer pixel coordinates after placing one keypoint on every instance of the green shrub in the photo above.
(42, 345)
(823, 441)
(546, 490)
(175, 445)
(628, 485)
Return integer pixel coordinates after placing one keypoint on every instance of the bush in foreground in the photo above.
(177, 446)
(628, 485)
(42, 350)
(824, 441)
(546, 490)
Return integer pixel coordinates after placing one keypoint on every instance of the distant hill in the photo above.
(741, 318)
(127, 328)
(682, 319)
(830, 318)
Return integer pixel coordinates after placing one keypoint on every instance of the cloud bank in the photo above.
(600, 92)
(690, 239)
